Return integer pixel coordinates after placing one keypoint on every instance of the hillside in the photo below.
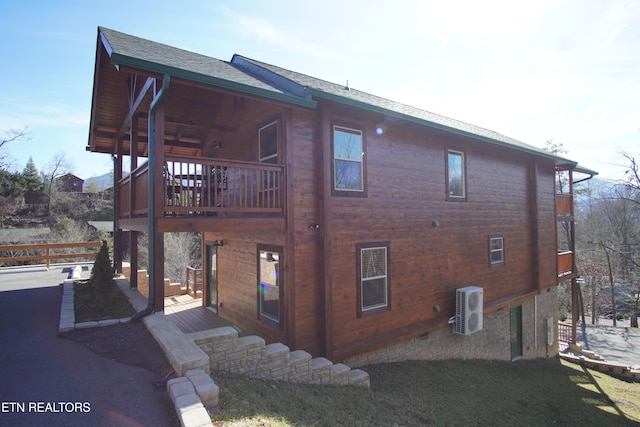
(102, 182)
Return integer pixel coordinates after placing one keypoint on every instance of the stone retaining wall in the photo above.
(250, 356)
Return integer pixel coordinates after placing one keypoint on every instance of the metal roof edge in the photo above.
(585, 171)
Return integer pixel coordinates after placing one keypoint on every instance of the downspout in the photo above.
(166, 80)
(116, 208)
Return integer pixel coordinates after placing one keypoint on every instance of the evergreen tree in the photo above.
(32, 179)
(102, 276)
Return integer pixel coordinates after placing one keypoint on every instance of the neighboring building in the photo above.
(334, 221)
(69, 183)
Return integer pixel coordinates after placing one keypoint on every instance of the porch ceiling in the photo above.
(191, 112)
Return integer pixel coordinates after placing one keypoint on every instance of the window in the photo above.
(496, 250)
(268, 143)
(348, 164)
(268, 153)
(456, 186)
(373, 277)
(269, 284)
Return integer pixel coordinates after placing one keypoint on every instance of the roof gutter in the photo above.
(585, 171)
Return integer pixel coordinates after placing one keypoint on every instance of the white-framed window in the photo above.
(373, 277)
(456, 180)
(496, 250)
(348, 160)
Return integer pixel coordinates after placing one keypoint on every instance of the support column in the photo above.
(133, 235)
(574, 310)
(133, 258)
(156, 197)
(117, 231)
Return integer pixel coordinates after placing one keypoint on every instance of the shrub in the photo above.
(102, 276)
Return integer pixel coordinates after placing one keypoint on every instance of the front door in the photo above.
(516, 332)
(211, 275)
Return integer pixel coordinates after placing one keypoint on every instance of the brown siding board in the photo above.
(406, 192)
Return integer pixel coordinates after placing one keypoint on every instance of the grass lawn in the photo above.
(88, 309)
(442, 393)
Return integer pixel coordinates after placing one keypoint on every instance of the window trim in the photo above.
(268, 123)
(493, 237)
(265, 318)
(450, 197)
(363, 164)
(381, 308)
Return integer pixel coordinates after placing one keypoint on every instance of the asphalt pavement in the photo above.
(51, 381)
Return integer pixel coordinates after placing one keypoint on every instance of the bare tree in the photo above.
(181, 250)
(12, 135)
(58, 167)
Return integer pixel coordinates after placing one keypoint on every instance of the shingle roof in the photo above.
(258, 78)
(150, 56)
(323, 89)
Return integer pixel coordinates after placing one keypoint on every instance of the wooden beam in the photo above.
(134, 107)
(217, 224)
(286, 147)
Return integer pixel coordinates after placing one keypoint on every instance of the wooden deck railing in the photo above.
(194, 281)
(133, 193)
(565, 332)
(211, 186)
(564, 204)
(565, 263)
(206, 187)
(46, 252)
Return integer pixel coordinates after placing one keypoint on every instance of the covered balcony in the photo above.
(205, 187)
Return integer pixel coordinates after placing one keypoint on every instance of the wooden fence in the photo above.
(194, 281)
(47, 252)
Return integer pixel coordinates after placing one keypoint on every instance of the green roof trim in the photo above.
(259, 79)
(424, 122)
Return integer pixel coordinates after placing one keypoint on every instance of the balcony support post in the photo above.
(156, 192)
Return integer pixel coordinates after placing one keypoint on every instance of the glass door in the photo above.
(211, 271)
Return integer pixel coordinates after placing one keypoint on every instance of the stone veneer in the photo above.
(251, 356)
(492, 342)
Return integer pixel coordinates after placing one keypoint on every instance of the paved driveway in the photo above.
(50, 381)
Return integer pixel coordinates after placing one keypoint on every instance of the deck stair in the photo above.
(251, 356)
(591, 360)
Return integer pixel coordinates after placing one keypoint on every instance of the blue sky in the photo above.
(536, 71)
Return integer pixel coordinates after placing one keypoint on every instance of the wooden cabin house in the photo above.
(332, 220)
(69, 183)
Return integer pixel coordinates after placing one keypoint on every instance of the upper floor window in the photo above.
(373, 277)
(496, 249)
(348, 163)
(268, 143)
(456, 185)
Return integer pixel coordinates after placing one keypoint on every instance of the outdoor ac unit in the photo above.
(468, 310)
